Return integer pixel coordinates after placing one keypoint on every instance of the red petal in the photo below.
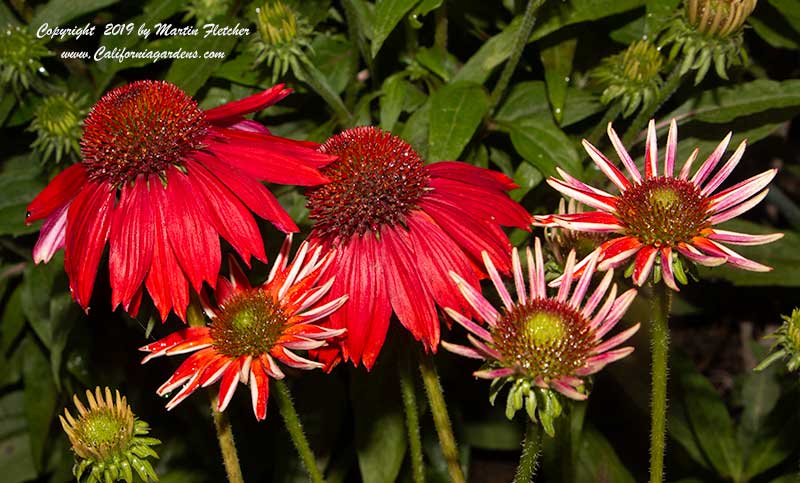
(131, 251)
(165, 281)
(262, 157)
(410, 300)
(255, 195)
(232, 111)
(259, 389)
(479, 202)
(230, 217)
(61, 190)
(88, 224)
(473, 175)
(194, 241)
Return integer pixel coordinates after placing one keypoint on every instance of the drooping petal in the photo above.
(616, 251)
(643, 264)
(131, 242)
(88, 224)
(233, 111)
(741, 191)
(259, 389)
(743, 238)
(718, 250)
(466, 173)
(666, 269)
(61, 190)
(52, 236)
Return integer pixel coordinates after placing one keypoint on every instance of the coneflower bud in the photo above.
(787, 343)
(57, 123)
(284, 37)
(109, 442)
(632, 76)
(20, 57)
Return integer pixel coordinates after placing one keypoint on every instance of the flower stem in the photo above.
(530, 454)
(412, 420)
(230, 457)
(441, 419)
(659, 340)
(295, 428)
(528, 20)
(670, 86)
(227, 445)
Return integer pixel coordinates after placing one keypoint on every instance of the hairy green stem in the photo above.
(309, 74)
(670, 86)
(659, 341)
(230, 458)
(412, 419)
(440, 34)
(531, 448)
(441, 419)
(295, 428)
(528, 20)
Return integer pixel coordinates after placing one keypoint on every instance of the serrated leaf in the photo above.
(380, 435)
(388, 13)
(557, 62)
(58, 12)
(709, 418)
(456, 112)
(544, 145)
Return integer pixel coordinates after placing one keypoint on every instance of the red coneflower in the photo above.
(161, 180)
(661, 216)
(399, 226)
(540, 343)
(251, 328)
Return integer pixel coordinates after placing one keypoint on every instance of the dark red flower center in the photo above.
(140, 128)
(250, 323)
(376, 181)
(663, 211)
(543, 338)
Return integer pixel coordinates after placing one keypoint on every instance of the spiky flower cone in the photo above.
(109, 442)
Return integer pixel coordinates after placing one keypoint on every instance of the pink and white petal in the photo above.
(586, 278)
(616, 340)
(580, 185)
(568, 390)
(601, 314)
(214, 371)
(505, 297)
(322, 311)
(488, 352)
(493, 373)
(738, 209)
(519, 278)
(160, 347)
(303, 344)
(725, 171)
(741, 191)
(733, 258)
(192, 367)
(593, 221)
(694, 255)
(597, 295)
(51, 236)
(687, 166)
(616, 251)
(293, 360)
(611, 171)
(666, 269)
(598, 362)
(566, 280)
(617, 311)
(643, 264)
(469, 325)
(474, 298)
(273, 370)
(462, 350)
(626, 159)
(743, 238)
(604, 203)
(711, 162)
(672, 145)
(651, 151)
(538, 287)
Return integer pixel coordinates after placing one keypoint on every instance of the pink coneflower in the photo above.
(540, 343)
(252, 328)
(659, 217)
(399, 226)
(161, 180)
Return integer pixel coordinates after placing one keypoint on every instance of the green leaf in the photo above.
(40, 398)
(439, 61)
(776, 438)
(725, 104)
(380, 435)
(544, 145)
(527, 177)
(525, 100)
(790, 9)
(16, 462)
(496, 434)
(783, 255)
(191, 74)
(58, 12)
(37, 287)
(456, 112)
(597, 460)
(394, 94)
(19, 183)
(709, 419)
(337, 60)
(388, 13)
(492, 53)
(774, 35)
(557, 62)
(576, 11)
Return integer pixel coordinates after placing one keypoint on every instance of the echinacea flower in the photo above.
(540, 343)
(253, 327)
(399, 226)
(560, 241)
(660, 216)
(109, 442)
(161, 180)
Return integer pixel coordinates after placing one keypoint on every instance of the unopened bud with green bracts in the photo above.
(20, 57)
(57, 122)
(632, 77)
(787, 343)
(284, 37)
